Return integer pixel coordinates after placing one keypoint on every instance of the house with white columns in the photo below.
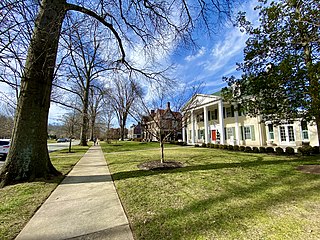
(208, 119)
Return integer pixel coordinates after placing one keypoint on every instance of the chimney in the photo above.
(168, 105)
(152, 112)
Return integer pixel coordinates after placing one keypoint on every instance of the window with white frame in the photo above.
(228, 112)
(304, 130)
(271, 132)
(247, 132)
(230, 132)
(200, 133)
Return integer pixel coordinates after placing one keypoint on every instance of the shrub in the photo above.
(203, 145)
(305, 150)
(242, 148)
(315, 150)
(270, 150)
(262, 149)
(225, 147)
(236, 148)
(289, 151)
(216, 146)
(255, 149)
(248, 149)
(230, 147)
(279, 150)
(196, 145)
(221, 146)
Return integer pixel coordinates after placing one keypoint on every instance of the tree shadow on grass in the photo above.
(228, 212)
(212, 166)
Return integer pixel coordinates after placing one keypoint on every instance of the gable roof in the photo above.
(200, 100)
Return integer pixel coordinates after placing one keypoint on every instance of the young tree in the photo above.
(151, 23)
(280, 78)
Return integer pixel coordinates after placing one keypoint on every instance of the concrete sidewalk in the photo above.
(84, 206)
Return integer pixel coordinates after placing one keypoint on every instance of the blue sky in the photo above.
(215, 57)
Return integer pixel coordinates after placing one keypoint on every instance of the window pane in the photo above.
(291, 133)
(247, 133)
(305, 135)
(282, 134)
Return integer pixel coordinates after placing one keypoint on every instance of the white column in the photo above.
(260, 130)
(221, 121)
(192, 127)
(236, 119)
(205, 116)
(184, 134)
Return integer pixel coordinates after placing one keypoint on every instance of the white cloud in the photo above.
(199, 54)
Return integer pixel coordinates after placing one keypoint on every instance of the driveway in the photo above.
(54, 147)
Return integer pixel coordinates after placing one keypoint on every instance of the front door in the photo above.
(214, 135)
(286, 135)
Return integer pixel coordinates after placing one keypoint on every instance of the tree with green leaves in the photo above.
(280, 72)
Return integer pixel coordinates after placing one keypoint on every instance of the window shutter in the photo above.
(241, 131)
(253, 136)
(224, 112)
(216, 114)
(232, 111)
(239, 109)
(225, 133)
(209, 115)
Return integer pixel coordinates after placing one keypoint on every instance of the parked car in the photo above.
(4, 148)
(63, 140)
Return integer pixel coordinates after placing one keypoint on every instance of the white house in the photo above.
(210, 120)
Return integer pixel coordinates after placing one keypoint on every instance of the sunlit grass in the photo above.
(218, 195)
(19, 202)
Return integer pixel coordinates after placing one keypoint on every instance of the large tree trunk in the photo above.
(28, 157)
(85, 121)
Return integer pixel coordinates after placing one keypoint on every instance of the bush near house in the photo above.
(248, 149)
(255, 149)
(289, 151)
(242, 148)
(305, 150)
(262, 149)
(270, 150)
(230, 147)
(236, 148)
(216, 146)
(315, 150)
(203, 145)
(279, 150)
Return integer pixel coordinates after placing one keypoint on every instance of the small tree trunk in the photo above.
(162, 151)
(28, 157)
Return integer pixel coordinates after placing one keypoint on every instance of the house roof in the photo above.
(200, 100)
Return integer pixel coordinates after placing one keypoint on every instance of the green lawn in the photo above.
(19, 202)
(218, 195)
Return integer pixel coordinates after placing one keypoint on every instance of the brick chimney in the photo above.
(168, 105)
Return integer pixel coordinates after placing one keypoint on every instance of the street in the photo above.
(54, 147)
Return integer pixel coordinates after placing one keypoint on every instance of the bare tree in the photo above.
(97, 94)
(123, 93)
(150, 23)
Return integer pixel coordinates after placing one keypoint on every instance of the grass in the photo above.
(19, 202)
(218, 195)
(121, 146)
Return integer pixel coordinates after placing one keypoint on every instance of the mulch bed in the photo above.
(157, 165)
(313, 169)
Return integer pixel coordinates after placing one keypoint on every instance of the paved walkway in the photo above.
(84, 206)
